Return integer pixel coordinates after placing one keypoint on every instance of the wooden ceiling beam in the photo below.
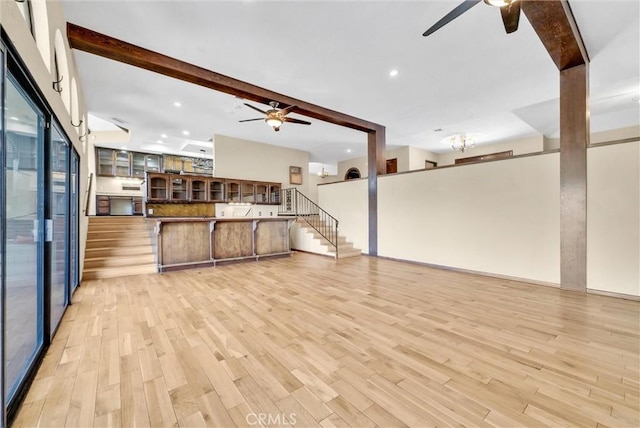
(556, 27)
(90, 41)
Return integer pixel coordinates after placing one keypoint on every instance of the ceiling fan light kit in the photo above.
(499, 3)
(276, 117)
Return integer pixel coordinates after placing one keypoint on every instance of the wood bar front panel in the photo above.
(233, 239)
(185, 242)
(272, 237)
(181, 210)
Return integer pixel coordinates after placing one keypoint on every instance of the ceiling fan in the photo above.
(509, 9)
(276, 117)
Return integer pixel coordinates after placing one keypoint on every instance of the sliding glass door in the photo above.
(24, 233)
(74, 220)
(57, 227)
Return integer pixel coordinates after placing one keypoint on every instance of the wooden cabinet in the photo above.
(233, 191)
(262, 193)
(198, 189)
(179, 188)
(157, 187)
(176, 188)
(274, 194)
(217, 190)
(103, 205)
(172, 163)
(121, 163)
(187, 165)
(248, 192)
(137, 206)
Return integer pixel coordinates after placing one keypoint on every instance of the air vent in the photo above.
(125, 187)
(117, 119)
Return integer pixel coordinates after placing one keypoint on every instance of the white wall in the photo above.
(348, 201)
(417, 158)
(249, 160)
(500, 217)
(613, 218)
(519, 147)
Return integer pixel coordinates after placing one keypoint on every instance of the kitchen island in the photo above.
(206, 241)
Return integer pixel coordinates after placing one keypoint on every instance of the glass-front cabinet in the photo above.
(248, 192)
(152, 163)
(198, 190)
(179, 189)
(262, 193)
(138, 164)
(233, 191)
(123, 164)
(274, 194)
(105, 162)
(157, 187)
(216, 190)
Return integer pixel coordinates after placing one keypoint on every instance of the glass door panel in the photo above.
(58, 212)
(137, 164)
(74, 225)
(122, 164)
(153, 163)
(105, 162)
(23, 190)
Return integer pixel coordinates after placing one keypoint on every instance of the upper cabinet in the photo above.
(105, 162)
(198, 188)
(121, 163)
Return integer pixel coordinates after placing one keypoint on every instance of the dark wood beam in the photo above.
(555, 25)
(90, 41)
(87, 40)
(574, 138)
(377, 166)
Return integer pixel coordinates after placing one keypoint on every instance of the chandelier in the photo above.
(461, 142)
(323, 173)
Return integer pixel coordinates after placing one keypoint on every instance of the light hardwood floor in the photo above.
(354, 342)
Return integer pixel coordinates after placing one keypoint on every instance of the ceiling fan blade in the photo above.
(459, 10)
(298, 121)
(286, 111)
(251, 120)
(511, 16)
(255, 108)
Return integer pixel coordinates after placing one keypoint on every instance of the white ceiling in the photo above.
(467, 77)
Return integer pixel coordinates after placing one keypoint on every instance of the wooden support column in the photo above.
(574, 138)
(376, 165)
(554, 23)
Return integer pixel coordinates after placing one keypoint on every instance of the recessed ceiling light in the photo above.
(123, 147)
(393, 73)
(185, 132)
(437, 130)
(163, 136)
(160, 142)
(177, 104)
(348, 150)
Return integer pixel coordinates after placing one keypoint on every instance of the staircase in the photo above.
(118, 246)
(308, 239)
(315, 230)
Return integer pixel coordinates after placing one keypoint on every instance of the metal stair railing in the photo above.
(295, 203)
